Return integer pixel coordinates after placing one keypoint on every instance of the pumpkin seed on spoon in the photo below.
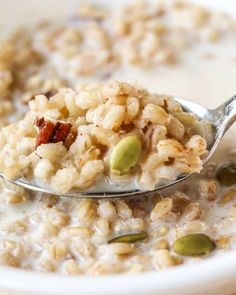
(125, 154)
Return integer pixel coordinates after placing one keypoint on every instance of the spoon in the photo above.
(221, 118)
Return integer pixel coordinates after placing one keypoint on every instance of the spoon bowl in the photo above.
(221, 119)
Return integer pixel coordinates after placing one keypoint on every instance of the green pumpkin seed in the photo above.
(226, 174)
(129, 238)
(193, 244)
(125, 154)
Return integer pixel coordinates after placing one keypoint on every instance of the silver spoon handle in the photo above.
(224, 116)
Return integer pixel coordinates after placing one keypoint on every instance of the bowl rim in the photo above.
(218, 270)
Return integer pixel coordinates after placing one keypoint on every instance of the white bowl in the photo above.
(212, 276)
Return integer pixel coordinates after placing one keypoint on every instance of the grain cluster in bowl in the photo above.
(38, 66)
(95, 43)
(84, 236)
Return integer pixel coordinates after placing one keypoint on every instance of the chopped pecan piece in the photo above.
(50, 132)
(61, 131)
(45, 133)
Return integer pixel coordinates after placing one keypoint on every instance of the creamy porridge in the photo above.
(112, 131)
(160, 46)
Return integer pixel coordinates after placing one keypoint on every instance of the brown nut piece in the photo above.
(50, 132)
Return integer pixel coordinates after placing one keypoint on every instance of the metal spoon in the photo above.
(221, 118)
